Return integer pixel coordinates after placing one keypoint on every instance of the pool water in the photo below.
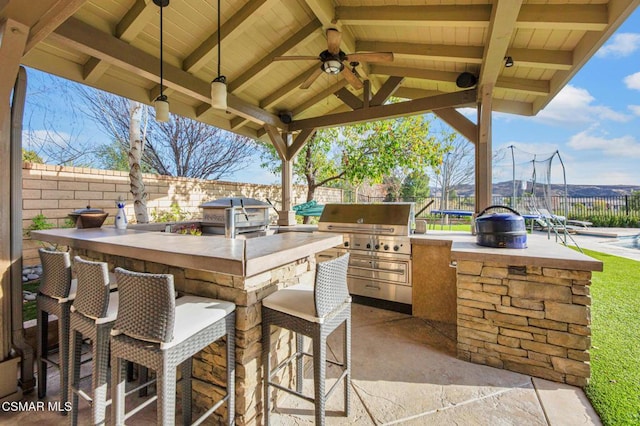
(628, 242)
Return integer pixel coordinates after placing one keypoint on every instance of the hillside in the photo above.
(505, 189)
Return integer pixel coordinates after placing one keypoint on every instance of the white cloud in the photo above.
(633, 81)
(622, 147)
(574, 105)
(621, 45)
(31, 139)
(635, 109)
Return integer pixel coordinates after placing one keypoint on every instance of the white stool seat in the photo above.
(297, 300)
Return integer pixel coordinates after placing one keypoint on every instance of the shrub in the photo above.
(174, 214)
(39, 222)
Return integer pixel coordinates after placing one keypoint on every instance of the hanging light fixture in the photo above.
(219, 84)
(161, 103)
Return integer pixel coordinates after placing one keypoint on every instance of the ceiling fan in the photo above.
(332, 61)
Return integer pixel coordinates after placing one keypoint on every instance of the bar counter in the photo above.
(240, 271)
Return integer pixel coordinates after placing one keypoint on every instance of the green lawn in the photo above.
(614, 389)
(29, 308)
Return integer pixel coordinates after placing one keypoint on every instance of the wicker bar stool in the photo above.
(313, 311)
(158, 331)
(93, 315)
(55, 295)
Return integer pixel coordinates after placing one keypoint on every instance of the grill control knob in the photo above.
(368, 245)
(346, 243)
(377, 246)
(386, 247)
(396, 248)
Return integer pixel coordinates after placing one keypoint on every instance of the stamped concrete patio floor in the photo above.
(404, 371)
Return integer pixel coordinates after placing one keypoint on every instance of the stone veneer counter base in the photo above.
(525, 310)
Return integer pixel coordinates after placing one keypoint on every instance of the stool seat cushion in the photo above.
(297, 300)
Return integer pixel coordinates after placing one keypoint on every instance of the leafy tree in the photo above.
(415, 186)
(393, 186)
(362, 152)
(634, 200)
(114, 157)
(31, 156)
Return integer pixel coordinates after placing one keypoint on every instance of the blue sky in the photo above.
(593, 122)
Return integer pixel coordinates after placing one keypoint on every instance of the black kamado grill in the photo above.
(501, 230)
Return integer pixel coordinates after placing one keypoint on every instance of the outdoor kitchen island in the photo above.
(236, 270)
(525, 310)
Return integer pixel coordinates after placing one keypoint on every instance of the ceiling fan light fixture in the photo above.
(332, 66)
(508, 61)
(161, 106)
(219, 92)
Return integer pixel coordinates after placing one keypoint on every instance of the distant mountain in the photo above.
(505, 189)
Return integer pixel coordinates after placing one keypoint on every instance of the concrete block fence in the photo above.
(55, 191)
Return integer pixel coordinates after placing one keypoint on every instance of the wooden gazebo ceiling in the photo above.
(114, 45)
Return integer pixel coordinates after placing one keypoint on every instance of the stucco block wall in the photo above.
(55, 191)
(533, 320)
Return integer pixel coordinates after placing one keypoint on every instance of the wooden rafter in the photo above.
(60, 11)
(418, 106)
(318, 98)
(452, 53)
(387, 90)
(83, 37)
(299, 142)
(349, 98)
(462, 124)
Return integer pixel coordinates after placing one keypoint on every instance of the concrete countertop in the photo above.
(540, 251)
(210, 253)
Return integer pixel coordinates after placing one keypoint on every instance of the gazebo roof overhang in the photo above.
(113, 45)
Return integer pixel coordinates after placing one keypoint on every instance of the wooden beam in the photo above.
(56, 15)
(503, 18)
(136, 19)
(277, 141)
(93, 69)
(256, 70)
(100, 45)
(467, 15)
(349, 98)
(319, 97)
(462, 124)
(204, 53)
(530, 87)
(542, 58)
(3, 4)
(418, 106)
(299, 142)
(436, 52)
(573, 17)
(386, 91)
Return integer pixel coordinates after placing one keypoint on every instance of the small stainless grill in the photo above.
(234, 216)
(377, 236)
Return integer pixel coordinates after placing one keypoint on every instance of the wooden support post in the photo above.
(287, 215)
(483, 149)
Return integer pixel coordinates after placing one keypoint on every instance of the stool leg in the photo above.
(99, 379)
(347, 364)
(118, 381)
(299, 363)
(231, 369)
(166, 394)
(63, 345)
(186, 391)
(319, 367)
(266, 367)
(75, 349)
(42, 351)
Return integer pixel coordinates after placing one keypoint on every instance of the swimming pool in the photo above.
(632, 242)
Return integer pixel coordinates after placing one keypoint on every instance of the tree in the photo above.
(136, 150)
(362, 152)
(415, 186)
(31, 156)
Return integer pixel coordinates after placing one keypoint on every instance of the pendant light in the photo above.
(161, 103)
(219, 84)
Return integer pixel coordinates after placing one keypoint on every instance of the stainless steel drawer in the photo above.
(373, 268)
(379, 290)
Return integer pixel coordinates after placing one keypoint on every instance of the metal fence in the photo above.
(573, 207)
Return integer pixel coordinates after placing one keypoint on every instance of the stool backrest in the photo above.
(92, 297)
(56, 273)
(146, 309)
(331, 288)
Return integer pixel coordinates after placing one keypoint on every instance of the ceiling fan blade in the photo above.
(312, 77)
(334, 37)
(351, 78)
(370, 57)
(296, 58)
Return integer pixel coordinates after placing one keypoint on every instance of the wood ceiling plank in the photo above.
(448, 15)
(418, 106)
(254, 71)
(83, 37)
(453, 53)
(318, 98)
(503, 19)
(205, 51)
(135, 20)
(286, 90)
(577, 17)
(50, 21)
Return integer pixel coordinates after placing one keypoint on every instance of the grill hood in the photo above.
(381, 219)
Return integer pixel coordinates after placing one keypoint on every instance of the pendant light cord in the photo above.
(219, 49)
(161, 56)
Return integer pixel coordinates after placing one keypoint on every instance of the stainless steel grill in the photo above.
(235, 216)
(377, 236)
